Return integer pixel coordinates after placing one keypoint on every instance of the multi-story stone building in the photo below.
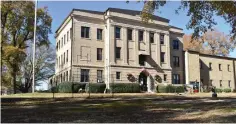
(107, 46)
(210, 70)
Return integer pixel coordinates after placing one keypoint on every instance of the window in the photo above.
(211, 83)
(201, 81)
(200, 62)
(162, 38)
(229, 84)
(67, 76)
(220, 83)
(61, 42)
(118, 52)
(176, 61)
(99, 76)
(228, 68)
(64, 39)
(118, 75)
(140, 35)
(84, 76)
(130, 34)
(67, 56)
(64, 58)
(85, 32)
(176, 79)
(99, 53)
(99, 34)
(175, 44)
(59, 61)
(142, 60)
(162, 56)
(67, 36)
(220, 67)
(210, 66)
(151, 37)
(118, 32)
(165, 77)
(70, 33)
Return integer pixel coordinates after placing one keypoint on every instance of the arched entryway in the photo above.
(143, 81)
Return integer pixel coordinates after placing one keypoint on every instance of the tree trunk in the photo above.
(14, 78)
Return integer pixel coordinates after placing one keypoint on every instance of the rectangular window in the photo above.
(140, 35)
(162, 56)
(200, 62)
(99, 34)
(175, 44)
(176, 61)
(211, 82)
(142, 59)
(99, 76)
(59, 44)
(118, 52)
(151, 37)
(62, 42)
(85, 32)
(117, 32)
(67, 56)
(118, 75)
(228, 68)
(220, 67)
(67, 76)
(84, 76)
(67, 36)
(162, 38)
(220, 83)
(70, 33)
(129, 34)
(99, 53)
(210, 66)
(229, 84)
(176, 79)
(64, 39)
(165, 77)
(64, 58)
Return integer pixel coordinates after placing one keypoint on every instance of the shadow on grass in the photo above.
(123, 110)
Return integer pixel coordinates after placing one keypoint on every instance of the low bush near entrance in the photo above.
(170, 89)
(227, 90)
(68, 87)
(218, 90)
(95, 87)
(125, 88)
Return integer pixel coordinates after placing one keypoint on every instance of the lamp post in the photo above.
(35, 24)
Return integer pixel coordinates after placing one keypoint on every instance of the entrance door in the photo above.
(143, 81)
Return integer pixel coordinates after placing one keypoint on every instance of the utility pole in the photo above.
(35, 23)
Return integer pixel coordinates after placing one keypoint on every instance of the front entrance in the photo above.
(143, 81)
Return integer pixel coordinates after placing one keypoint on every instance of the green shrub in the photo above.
(170, 89)
(54, 90)
(69, 87)
(227, 90)
(125, 87)
(218, 90)
(95, 87)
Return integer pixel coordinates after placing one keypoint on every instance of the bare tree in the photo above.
(212, 42)
(44, 67)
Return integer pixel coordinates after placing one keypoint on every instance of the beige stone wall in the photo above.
(174, 52)
(215, 74)
(193, 67)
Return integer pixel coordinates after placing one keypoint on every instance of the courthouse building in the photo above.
(112, 46)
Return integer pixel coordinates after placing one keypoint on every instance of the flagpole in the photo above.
(35, 23)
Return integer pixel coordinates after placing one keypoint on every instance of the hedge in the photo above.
(66, 87)
(125, 87)
(227, 90)
(95, 87)
(169, 89)
(218, 90)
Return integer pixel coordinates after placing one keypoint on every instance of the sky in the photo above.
(59, 10)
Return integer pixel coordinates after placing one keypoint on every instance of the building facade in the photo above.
(112, 46)
(215, 71)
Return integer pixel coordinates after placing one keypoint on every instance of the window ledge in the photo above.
(85, 38)
(100, 40)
